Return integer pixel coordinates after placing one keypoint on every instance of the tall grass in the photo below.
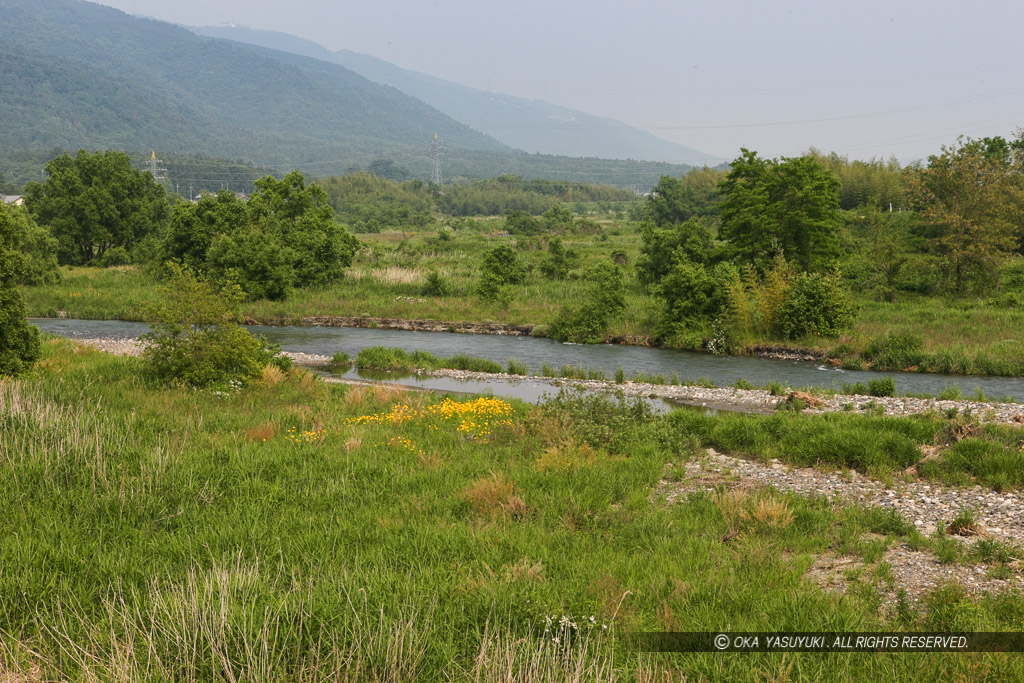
(172, 534)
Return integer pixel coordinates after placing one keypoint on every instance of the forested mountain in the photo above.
(527, 124)
(75, 75)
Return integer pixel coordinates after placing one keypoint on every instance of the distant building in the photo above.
(15, 199)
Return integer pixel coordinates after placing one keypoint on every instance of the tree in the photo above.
(689, 240)
(971, 197)
(19, 341)
(284, 236)
(781, 206)
(197, 340)
(675, 200)
(95, 202)
(37, 249)
(586, 321)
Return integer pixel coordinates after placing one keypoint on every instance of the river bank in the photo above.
(716, 398)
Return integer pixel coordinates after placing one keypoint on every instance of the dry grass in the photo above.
(271, 376)
(494, 497)
(212, 625)
(396, 275)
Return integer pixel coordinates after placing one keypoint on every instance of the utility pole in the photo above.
(437, 151)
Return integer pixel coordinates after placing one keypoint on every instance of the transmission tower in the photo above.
(156, 169)
(437, 151)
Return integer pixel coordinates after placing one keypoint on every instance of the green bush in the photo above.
(115, 256)
(895, 351)
(516, 367)
(586, 321)
(19, 341)
(882, 387)
(815, 305)
(437, 284)
(196, 339)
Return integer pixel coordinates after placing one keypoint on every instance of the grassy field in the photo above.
(305, 531)
(388, 276)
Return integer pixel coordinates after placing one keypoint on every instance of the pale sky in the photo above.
(865, 79)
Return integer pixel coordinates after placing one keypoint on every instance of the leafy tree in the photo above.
(19, 341)
(196, 339)
(95, 202)
(559, 260)
(971, 197)
(558, 217)
(192, 227)
(284, 236)
(36, 248)
(675, 200)
(301, 217)
(519, 223)
(501, 266)
(586, 321)
(781, 206)
(661, 248)
(816, 304)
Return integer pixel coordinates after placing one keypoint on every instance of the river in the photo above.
(536, 352)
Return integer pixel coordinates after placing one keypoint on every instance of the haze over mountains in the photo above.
(527, 124)
(76, 74)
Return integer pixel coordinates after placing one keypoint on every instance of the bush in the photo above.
(197, 340)
(19, 341)
(437, 285)
(116, 256)
(815, 305)
(895, 351)
(516, 367)
(882, 387)
(587, 321)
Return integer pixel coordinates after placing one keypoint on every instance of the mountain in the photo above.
(79, 74)
(74, 74)
(527, 124)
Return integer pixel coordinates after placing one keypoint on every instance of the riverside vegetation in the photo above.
(288, 528)
(713, 261)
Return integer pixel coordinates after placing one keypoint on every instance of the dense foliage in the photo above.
(19, 341)
(284, 236)
(196, 339)
(95, 202)
(787, 207)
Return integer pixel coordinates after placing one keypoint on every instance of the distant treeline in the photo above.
(368, 203)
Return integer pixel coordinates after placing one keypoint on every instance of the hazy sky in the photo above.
(860, 78)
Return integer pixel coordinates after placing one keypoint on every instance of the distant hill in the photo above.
(527, 124)
(75, 75)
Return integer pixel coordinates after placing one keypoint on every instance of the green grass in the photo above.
(267, 534)
(389, 358)
(388, 277)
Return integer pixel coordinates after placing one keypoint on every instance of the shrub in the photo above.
(197, 339)
(502, 264)
(895, 351)
(815, 305)
(881, 387)
(19, 341)
(586, 322)
(437, 284)
(115, 256)
(516, 367)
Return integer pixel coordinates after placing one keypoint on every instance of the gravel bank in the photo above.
(1000, 517)
(722, 398)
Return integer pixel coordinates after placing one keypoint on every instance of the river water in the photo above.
(535, 352)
